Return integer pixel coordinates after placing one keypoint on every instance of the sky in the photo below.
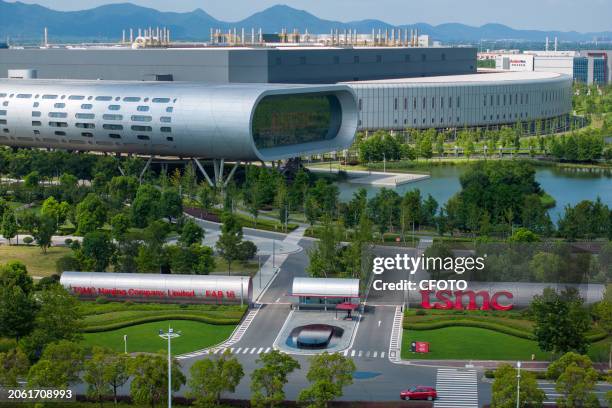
(562, 15)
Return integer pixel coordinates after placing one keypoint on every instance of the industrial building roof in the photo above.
(481, 77)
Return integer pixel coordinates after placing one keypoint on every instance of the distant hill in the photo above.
(21, 21)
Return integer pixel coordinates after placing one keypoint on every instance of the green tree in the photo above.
(323, 255)
(171, 204)
(268, 381)
(97, 251)
(116, 372)
(95, 375)
(55, 210)
(146, 206)
(561, 321)
(191, 233)
(557, 367)
(58, 367)
(328, 375)
(207, 197)
(17, 304)
(151, 255)
(209, 378)
(504, 389)
(43, 231)
(229, 242)
(9, 225)
(120, 225)
(122, 189)
(14, 366)
(90, 214)
(58, 318)
(523, 235)
(576, 385)
(150, 379)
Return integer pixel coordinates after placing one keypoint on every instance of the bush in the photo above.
(101, 300)
(157, 318)
(68, 241)
(67, 263)
(28, 240)
(469, 323)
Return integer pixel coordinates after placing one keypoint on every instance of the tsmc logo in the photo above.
(447, 299)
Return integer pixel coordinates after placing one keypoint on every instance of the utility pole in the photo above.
(518, 384)
(169, 336)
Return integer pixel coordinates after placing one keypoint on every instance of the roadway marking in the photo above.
(267, 350)
(234, 338)
(375, 354)
(353, 353)
(260, 350)
(246, 349)
(457, 388)
(253, 351)
(396, 335)
(379, 322)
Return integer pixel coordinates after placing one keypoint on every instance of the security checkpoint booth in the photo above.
(326, 293)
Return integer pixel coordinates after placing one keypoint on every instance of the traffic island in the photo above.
(308, 332)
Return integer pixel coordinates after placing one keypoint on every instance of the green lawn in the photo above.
(31, 256)
(145, 338)
(467, 343)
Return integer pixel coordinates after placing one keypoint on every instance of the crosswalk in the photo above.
(396, 334)
(234, 338)
(457, 388)
(354, 353)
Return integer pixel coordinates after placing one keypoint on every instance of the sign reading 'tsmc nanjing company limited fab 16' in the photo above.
(481, 300)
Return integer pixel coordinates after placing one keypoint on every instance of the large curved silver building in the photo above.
(219, 121)
(150, 287)
(483, 99)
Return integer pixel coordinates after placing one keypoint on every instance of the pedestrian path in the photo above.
(395, 344)
(234, 338)
(355, 353)
(456, 388)
(266, 274)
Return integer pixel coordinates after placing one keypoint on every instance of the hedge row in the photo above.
(160, 317)
(469, 323)
(592, 337)
(541, 375)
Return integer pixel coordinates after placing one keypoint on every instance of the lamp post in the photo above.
(169, 335)
(125, 343)
(518, 384)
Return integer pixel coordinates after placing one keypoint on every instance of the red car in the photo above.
(420, 392)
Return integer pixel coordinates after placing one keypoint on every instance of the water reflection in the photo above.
(568, 186)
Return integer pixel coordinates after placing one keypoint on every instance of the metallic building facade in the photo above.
(301, 65)
(458, 101)
(224, 121)
(149, 287)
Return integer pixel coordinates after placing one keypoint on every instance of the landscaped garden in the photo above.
(483, 335)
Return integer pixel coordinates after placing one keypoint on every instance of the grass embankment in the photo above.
(37, 263)
(481, 335)
(201, 325)
(145, 337)
(116, 315)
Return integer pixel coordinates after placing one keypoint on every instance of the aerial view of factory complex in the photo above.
(282, 218)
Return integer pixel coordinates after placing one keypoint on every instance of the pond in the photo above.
(567, 186)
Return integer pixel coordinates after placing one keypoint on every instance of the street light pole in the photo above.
(518, 384)
(170, 335)
(125, 343)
